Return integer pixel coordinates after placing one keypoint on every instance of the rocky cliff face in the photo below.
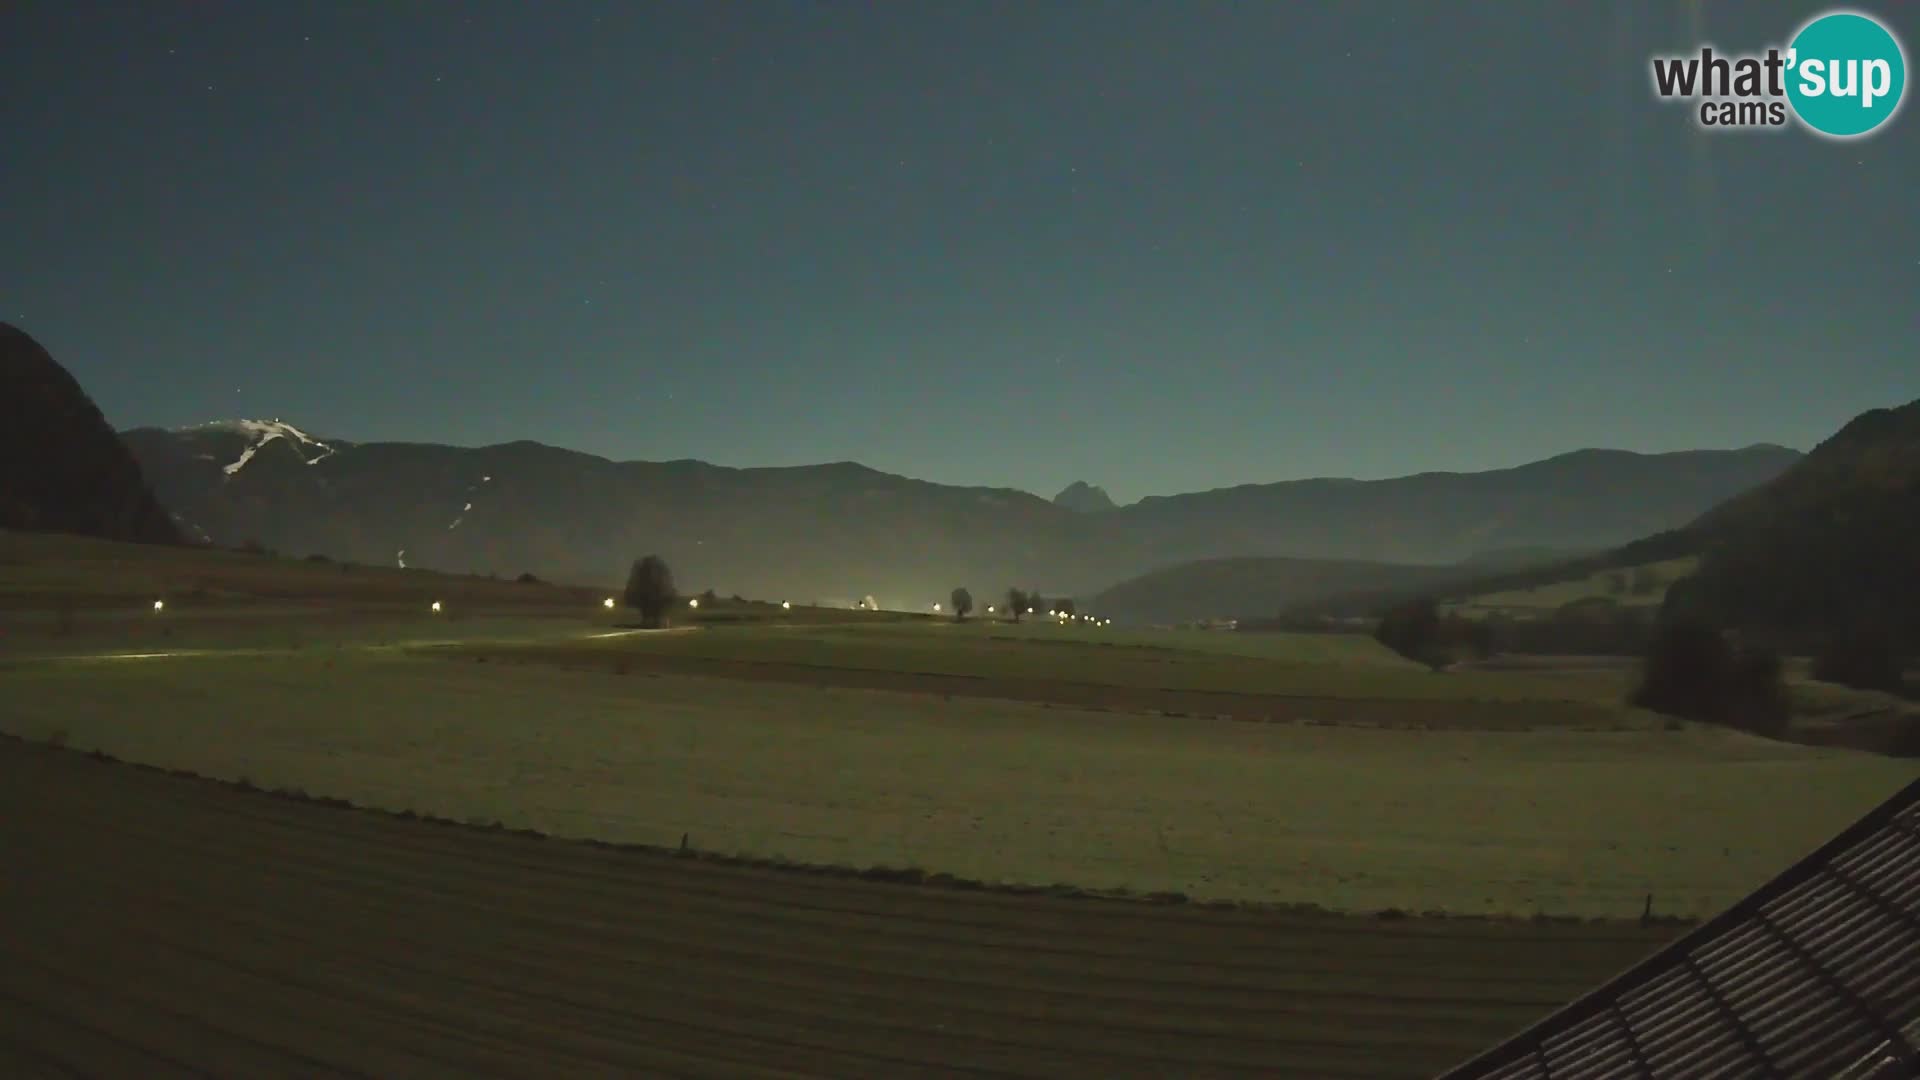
(1084, 497)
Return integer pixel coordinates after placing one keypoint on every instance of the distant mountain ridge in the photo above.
(62, 467)
(844, 530)
(1826, 548)
(1084, 497)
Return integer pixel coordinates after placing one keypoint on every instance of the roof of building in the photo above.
(1816, 973)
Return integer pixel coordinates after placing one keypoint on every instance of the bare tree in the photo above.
(962, 604)
(1016, 603)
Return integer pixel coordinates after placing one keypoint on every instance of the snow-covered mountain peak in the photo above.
(259, 433)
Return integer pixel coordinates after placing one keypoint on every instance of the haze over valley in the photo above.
(843, 531)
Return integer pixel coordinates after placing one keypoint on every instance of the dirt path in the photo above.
(157, 925)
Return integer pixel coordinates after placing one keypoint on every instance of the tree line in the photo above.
(650, 591)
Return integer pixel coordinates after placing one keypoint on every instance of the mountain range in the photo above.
(843, 530)
(1824, 549)
(822, 532)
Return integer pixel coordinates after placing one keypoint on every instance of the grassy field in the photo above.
(50, 572)
(1544, 599)
(1344, 667)
(1272, 773)
(1553, 820)
(68, 594)
(171, 926)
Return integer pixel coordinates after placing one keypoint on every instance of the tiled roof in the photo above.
(1815, 974)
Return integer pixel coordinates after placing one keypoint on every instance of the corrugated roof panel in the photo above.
(1817, 973)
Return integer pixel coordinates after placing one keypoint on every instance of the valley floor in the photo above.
(1557, 820)
(158, 922)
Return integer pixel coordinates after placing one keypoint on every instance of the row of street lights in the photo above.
(608, 603)
(1064, 616)
(785, 605)
(692, 602)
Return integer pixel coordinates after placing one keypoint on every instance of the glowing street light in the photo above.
(159, 605)
(989, 609)
(786, 605)
(936, 607)
(1029, 611)
(607, 603)
(693, 602)
(436, 605)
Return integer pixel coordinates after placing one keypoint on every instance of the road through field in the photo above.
(158, 925)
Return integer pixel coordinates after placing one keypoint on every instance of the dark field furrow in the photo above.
(993, 1014)
(514, 860)
(40, 1037)
(155, 918)
(1236, 1017)
(1175, 941)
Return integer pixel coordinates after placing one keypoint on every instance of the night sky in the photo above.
(1158, 246)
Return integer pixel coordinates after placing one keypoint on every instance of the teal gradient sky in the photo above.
(1156, 246)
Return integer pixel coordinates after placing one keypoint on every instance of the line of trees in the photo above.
(650, 591)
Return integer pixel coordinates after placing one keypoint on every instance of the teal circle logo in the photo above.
(1846, 74)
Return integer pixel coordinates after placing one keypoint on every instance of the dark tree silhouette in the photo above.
(650, 590)
(962, 604)
(1693, 671)
(1686, 671)
(1412, 629)
(1017, 602)
(1863, 658)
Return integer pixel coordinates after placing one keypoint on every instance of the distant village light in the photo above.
(159, 605)
(693, 602)
(936, 607)
(786, 605)
(436, 605)
(607, 603)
